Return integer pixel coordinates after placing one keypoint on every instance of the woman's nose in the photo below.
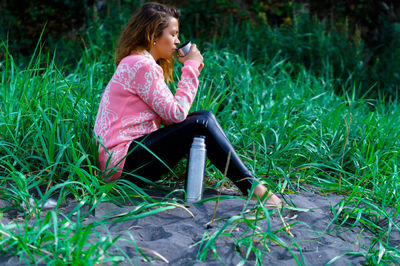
(177, 41)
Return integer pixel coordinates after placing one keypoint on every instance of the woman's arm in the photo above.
(152, 89)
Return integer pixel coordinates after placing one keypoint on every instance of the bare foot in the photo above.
(272, 199)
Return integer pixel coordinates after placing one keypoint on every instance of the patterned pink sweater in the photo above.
(135, 102)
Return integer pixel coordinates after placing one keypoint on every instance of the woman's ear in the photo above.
(154, 41)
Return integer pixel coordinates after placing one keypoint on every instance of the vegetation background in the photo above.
(306, 90)
(363, 51)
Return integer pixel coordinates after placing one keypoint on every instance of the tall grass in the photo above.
(291, 128)
(287, 123)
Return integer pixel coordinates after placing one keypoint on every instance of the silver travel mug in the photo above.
(185, 48)
(195, 172)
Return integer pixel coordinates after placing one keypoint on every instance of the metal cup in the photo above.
(185, 48)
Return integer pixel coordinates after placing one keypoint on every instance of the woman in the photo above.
(137, 101)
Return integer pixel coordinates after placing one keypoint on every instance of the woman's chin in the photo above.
(172, 54)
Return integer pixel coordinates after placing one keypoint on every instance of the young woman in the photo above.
(137, 102)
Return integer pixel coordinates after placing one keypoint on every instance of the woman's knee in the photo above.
(203, 117)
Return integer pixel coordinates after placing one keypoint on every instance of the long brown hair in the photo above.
(142, 29)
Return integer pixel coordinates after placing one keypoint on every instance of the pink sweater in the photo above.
(135, 102)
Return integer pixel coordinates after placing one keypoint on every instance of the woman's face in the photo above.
(167, 43)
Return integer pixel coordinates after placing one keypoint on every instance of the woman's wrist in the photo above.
(193, 63)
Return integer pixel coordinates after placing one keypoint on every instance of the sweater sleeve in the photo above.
(153, 90)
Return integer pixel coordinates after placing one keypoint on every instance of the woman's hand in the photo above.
(194, 54)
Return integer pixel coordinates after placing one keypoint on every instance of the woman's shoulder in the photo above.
(139, 63)
(141, 58)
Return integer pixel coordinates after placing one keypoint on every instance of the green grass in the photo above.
(286, 122)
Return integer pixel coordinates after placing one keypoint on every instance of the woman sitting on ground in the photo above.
(137, 101)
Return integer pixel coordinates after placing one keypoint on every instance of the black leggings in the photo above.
(171, 143)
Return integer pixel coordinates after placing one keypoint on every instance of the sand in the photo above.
(171, 236)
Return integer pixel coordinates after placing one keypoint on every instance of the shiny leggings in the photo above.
(171, 143)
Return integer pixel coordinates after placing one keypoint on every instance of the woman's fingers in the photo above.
(201, 67)
(180, 53)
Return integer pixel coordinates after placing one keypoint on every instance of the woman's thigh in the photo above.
(154, 154)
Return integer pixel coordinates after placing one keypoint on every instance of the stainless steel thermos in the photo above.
(195, 171)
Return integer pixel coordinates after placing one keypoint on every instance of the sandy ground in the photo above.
(171, 235)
